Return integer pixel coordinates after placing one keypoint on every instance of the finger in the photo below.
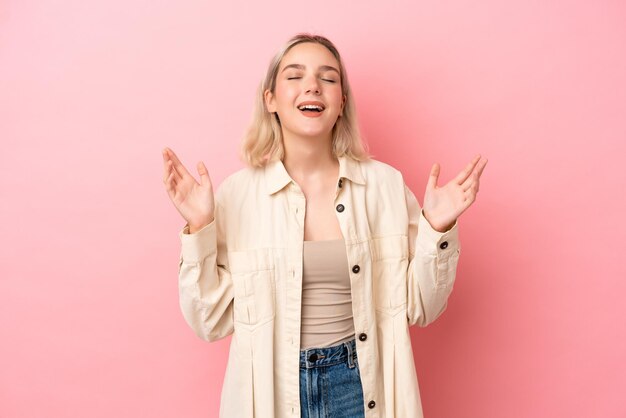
(168, 162)
(170, 185)
(467, 184)
(170, 170)
(472, 189)
(433, 177)
(475, 178)
(177, 175)
(178, 166)
(167, 170)
(205, 180)
(484, 164)
(172, 179)
(475, 184)
(462, 176)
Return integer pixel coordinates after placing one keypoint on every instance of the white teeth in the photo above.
(312, 107)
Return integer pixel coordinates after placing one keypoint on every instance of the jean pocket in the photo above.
(356, 365)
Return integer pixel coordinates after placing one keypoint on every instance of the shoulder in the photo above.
(242, 175)
(386, 183)
(378, 171)
(236, 183)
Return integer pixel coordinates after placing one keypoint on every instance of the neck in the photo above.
(307, 158)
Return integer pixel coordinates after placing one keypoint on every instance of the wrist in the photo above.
(437, 227)
(195, 227)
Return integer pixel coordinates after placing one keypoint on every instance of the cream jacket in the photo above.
(242, 275)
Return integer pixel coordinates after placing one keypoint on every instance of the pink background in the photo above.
(90, 92)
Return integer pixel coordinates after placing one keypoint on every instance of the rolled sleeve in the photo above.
(205, 283)
(432, 265)
(431, 241)
(199, 245)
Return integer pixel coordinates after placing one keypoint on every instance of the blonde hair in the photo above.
(263, 140)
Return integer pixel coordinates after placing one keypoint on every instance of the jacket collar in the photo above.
(277, 177)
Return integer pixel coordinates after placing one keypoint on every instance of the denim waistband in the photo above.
(328, 356)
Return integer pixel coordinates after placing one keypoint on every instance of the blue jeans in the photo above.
(330, 382)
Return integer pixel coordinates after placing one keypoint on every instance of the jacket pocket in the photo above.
(254, 285)
(389, 272)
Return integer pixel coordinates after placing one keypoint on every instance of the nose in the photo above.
(313, 85)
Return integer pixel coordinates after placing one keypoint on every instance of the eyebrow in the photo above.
(302, 67)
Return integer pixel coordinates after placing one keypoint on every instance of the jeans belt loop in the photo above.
(350, 359)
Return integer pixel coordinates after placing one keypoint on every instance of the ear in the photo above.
(343, 104)
(269, 101)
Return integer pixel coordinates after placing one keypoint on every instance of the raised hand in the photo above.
(193, 200)
(443, 205)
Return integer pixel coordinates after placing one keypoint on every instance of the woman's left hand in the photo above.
(443, 205)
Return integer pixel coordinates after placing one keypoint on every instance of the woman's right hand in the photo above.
(193, 200)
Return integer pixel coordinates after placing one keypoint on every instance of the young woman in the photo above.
(315, 257)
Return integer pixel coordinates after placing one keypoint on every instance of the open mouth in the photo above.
(311, 110)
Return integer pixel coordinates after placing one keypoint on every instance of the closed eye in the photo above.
(294, 78)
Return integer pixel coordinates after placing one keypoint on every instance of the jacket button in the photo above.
(340, 208)
(363, 336)
(313, 357)
(443, 245)
(356, 268)
(371, 404)
(340, 180)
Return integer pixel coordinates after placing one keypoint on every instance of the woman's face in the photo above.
(307, 73)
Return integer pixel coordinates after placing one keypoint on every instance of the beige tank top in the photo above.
(326, 299)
